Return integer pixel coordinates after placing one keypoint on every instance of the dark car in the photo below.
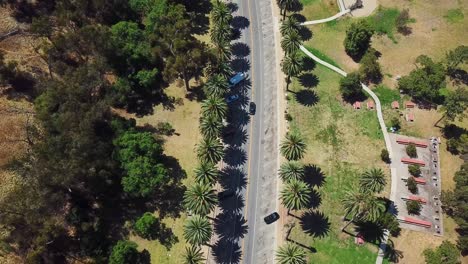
(225, 194)
(271, 218)
(252, 108)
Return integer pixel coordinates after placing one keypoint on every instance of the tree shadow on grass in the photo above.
(226, 252)
(240, 49)
(370, 232)
(315, 224)
(307, 97)
(305, 33)
(308, 80)
(308, 64)
(315, 199)
(166, 237)
(313, 175)
(240, 22)
(300, 18)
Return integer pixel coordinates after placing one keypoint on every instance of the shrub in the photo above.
(446, 253)
(413, 207)
(165, 128)
(395, 123)
(412, 185)
(414, 170)
(411, 151)
(124, 252)
(402, 22)
(369, 68)
(385, 156)
(358, 37)
(147, 226)
(350, 88)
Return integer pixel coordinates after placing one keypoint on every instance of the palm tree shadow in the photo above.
(230, 227)
(236, 138)
(240, 65)
(308, 80)
(313, 175)
(308, 64)
(315, 223)
(234, 156)
(232, 178)
(240, 22)
(225, 252)
(315, 199)
(305, 33)
(300, 18)
(240, 49)
(307, 97)
(232, 205)
(370, 232)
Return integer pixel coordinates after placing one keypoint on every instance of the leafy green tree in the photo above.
(369, 67)
(385, 156)
(372, 180)
(414, 170)
(291, 42)
(287, 5)
(413, 207)
(216, 86)
(215, 107)
(362, 206)
(411, 151)
(193, 255)
(412, 185)
(291, 66)
(206, 173)
(124, 252)
(129, 41)
(455, 104)
(210, 126)
(139, 154)
(290, 254)
(210, 150)
(395, 123)
(295, 195)
(289, 25)
(358, 39)
(291, 170)
(200, 199)
(456, 57)
(147, 226)
(350, 87)
(197, 230)
(391, 223)
(293, 146)
(446, 253)
(424, 82)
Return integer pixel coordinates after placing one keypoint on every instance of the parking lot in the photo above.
(428, 194)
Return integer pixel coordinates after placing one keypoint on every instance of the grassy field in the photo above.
(343, 141)
(184, 119)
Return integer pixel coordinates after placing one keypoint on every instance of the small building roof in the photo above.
(395, 105)
(370, 104)
(409, 104)
(410, 117)
(357, 105)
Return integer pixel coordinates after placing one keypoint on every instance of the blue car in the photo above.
(237, 78)
(232, 98)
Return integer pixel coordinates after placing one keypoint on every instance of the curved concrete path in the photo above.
(383, 127)
(313, 22)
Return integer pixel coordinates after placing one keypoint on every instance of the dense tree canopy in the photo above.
(358, 39)
(351, 89)
(446, 253)
(424, 82)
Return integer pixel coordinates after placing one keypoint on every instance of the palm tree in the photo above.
(210, 126)
(291, 254)
(286, 5)
(216, 86)
(373, 180)
(295, 195)
(291, 42)
(289, 25)
(291, 66)
(193, 255)
(291, 170)
(200, 199)
(210, 150)
(221, 33)
(215, 107)
(220, 14)
(223, 50)
(206, 173)
(197, 230)
(293, 146)
(362, 206)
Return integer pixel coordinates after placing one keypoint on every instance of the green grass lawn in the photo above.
(342, 142)
(454, 15)
(384, 22)
(387, 95)
(318, 9)
(322, 56)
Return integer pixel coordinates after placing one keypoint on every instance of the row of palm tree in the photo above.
(291, 42)
(361, 203)
(287, 5)
(200, 199)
